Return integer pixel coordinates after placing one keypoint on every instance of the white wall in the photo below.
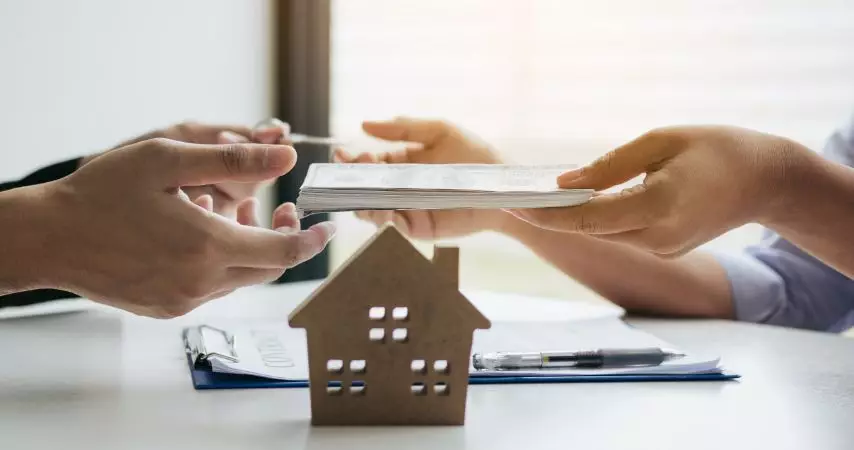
(77, 76)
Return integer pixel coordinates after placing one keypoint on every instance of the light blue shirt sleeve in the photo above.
(777, 283)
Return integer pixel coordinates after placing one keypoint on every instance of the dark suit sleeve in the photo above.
(44, 175)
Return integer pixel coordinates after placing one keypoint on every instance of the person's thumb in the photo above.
(197, 164)
(642, 155)
(403, 129)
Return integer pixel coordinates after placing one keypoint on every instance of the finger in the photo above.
(364, 215)
(223, 203)
(247, 212)
(273, 123)
(205, 202)
(401, 222)
(382, 217)
(197, 191)
(271, 131)
(339, 155)
(269, 135)
(631, 209)
(196, 164)
(238, 129)
(402, 156)
(205, 134)
(426, 132)
(365, 158)
(183, 195)
(378, 217)
(285, 218)
(411, 154)
(645, 154)
(422, 223)
(230, 137)
(236, 191)
(238, 277)
(261, 248)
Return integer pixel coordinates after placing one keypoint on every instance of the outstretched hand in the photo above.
(700, 182)
(128, 235)
(228, 194)
(428, 142)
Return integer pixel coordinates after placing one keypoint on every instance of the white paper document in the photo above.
(353, 187)
(272, 350)
(582, 335)
(276, 351)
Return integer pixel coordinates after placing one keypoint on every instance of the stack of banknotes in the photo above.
(353, 187)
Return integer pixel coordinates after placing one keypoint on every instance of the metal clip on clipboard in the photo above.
(205, 341)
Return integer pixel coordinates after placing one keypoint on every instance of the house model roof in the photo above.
(389, 262)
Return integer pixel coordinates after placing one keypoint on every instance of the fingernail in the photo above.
(329, 227)
(287, 208)
(278, 157)
(271, 131)
(269, 135)
(272, 122)
(232, 137)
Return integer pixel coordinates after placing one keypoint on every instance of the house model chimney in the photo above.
(447, 262)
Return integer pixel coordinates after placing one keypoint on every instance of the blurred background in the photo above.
(542, 80)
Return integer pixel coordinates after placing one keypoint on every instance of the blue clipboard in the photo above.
(205, 379)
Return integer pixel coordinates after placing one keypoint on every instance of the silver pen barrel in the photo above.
(299, 138)
(503, 360)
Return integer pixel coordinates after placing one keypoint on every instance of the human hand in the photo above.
(700, 182)
(431, 142)
(126, 234)
(226, 195)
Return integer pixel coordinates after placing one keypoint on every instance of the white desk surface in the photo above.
(107, 380)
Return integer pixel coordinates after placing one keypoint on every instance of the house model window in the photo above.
(389, 337)
(391, 326)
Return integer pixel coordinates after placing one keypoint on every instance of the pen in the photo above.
(580, 359)
(297, 138)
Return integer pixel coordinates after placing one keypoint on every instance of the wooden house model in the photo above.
(389, 337)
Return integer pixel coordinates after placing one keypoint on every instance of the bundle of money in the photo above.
(353, 187)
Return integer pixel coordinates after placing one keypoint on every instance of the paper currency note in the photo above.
(436, 177)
